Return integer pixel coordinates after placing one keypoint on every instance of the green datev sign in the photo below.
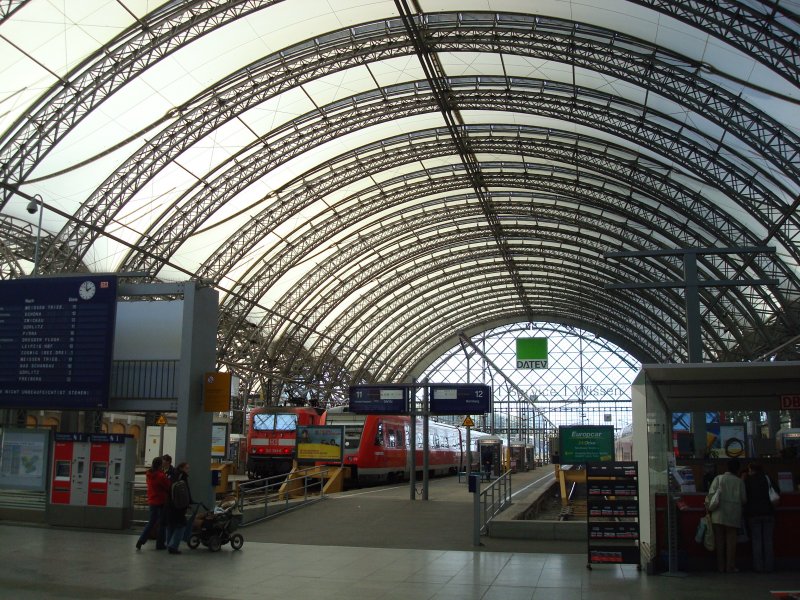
(531, 353)
(585, 443)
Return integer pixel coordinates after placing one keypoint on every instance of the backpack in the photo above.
(179, 494)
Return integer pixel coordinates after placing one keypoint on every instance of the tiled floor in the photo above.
(43, 562)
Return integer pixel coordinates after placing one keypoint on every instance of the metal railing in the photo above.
(494, 499)
(262, 499)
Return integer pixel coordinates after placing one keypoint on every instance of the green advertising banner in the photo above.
(585, 443)
(532, 353)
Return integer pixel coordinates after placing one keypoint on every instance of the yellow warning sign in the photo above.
(161, 420)
(468, 422)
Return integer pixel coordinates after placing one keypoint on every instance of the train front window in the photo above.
(263, 422)
(352, 437)
(285, 422)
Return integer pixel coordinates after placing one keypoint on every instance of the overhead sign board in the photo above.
(379, 399)
(585, 443)
(56, 341)
(460, 399)
(217, 391)
(532, 353)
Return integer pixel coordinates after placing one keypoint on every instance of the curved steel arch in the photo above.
(541, 183)
(565, 212)
(563, 281)
(756, 33)
(770, 210)
(373, 271)
(681, 85)
(159, 34)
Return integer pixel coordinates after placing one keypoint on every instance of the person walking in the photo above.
(158, 485)
(760, 518)
(726, 519)
(168, 468)
(176, 510)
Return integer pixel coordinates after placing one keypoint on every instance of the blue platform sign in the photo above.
(56, 341)
(379, 399)
(460, 399)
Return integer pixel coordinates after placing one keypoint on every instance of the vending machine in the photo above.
(69, 485)
(92, 480)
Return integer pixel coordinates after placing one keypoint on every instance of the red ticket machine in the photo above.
(98, 471)
(92, 480)
(68, 484)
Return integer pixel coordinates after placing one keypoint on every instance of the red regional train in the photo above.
(271, 437)
(376, 446)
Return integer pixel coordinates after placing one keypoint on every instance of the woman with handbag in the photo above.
(760, 517)
(725, 500)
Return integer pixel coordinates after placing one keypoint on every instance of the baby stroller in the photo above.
(216, 527)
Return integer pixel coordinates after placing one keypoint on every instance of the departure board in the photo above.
(56, 341)
(379, 399)
(460, 399)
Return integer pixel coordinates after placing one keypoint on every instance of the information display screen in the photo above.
(56, 342)
(460, 399)
(378, 399)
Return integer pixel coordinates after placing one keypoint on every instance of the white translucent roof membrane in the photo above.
(180, 155)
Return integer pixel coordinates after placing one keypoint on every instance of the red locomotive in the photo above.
(272, 435)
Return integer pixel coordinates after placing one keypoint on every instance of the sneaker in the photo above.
(161, 547)
(174, 551)
(138, 545)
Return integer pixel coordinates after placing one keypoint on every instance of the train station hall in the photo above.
(488, 299)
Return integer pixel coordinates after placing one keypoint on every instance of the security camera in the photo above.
(33, 206)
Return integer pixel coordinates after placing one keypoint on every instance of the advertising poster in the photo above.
(219, 440)
(586, 443)
(320, 443)
(730, 443)
(23, 459)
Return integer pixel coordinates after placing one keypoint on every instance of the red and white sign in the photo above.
(790, 402)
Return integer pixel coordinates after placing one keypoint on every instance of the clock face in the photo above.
(87, 290)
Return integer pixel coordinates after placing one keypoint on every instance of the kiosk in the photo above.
(518, 456)
(670, 510)
(490, 449)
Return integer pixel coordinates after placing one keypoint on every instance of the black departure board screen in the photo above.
(460, 399)
(56, 341)
(379, 399)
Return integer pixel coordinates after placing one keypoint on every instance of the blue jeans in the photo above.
(761, 530)
(175, 536)
(154, 520)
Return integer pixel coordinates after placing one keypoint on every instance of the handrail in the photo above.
(262, 499)
(494, 499)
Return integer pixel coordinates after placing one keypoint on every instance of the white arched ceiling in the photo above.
(364, 180)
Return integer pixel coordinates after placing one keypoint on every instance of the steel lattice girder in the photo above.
(670, 77)
(220, 16)
(289, 141)
(173, 25)
(418, 250)
(258, 279)
(562, 288)
(764, 30)
(365, 208)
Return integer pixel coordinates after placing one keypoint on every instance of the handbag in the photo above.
(708, 538)
(774, 496)
(700, 533)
